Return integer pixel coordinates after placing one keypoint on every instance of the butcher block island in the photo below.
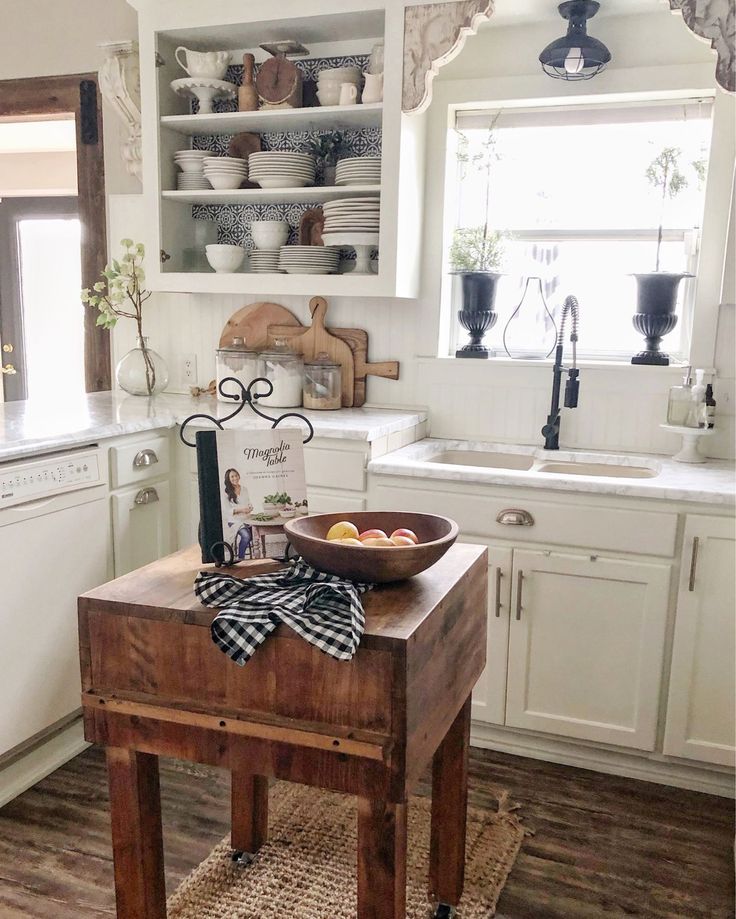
(154, 684)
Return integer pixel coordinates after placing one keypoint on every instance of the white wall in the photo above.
(621, 408)
(55, 37)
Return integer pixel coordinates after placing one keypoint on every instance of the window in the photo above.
(572, 196)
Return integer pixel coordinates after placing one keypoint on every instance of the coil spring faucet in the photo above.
(551, 430)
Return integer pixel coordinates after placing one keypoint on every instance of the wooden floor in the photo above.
(603, 846)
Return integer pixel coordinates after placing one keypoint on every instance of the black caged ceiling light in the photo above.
(577, 56)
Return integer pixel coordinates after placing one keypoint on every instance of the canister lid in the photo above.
(280, 351)
(237, 345)
(321, 360)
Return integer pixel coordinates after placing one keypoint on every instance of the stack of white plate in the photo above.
(190, 162)
(274, 169)
(352, 215)
(265, 261)
(359, 170)
(309, 259)
(225, 171)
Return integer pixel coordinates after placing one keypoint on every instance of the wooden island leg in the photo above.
(137, 837)
(249, 797)
(381, 860)
(449, 813)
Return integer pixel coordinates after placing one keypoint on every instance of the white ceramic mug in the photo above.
(348, 94)
(373, 89)
(208, 65)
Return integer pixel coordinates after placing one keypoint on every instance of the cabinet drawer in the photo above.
(320, 503)
(591, 527)
(144, 459)
(141, 526)
(335, 469)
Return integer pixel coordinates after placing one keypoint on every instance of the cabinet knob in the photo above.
(514, 517)
(146, 496)
(145, 458)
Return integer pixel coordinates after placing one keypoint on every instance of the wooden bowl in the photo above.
(372, 564)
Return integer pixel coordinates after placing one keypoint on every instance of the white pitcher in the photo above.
(373, 89)
(206, 65)
(348, 94)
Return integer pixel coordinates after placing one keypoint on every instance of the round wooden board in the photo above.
(251, 323)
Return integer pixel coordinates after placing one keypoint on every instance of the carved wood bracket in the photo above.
(433, 35)
(715, 22)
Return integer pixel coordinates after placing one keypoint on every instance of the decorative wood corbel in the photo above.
(120, 85)
(434, 34)
(715, 22)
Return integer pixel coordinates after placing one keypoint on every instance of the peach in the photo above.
(409, 534)
(372, 534)
(378, 542)
(399, 540)
(347, 541)
(342, 530)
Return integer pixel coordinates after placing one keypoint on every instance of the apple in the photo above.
(342, 530)
(399, 540)
(409, 534)
(378, 542)
(347, 541)
(372, 534)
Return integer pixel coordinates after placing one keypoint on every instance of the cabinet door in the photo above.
(489, 695)
(141, 526)
(700, 709)
(586, 644)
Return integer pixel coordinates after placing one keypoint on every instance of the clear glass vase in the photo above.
(531, 332)
(142, 371)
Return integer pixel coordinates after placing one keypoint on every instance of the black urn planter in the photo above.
(477, 315)
(655, 313)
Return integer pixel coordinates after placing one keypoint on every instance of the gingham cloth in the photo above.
(322, 608)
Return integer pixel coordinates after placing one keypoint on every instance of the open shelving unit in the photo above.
(316, 118)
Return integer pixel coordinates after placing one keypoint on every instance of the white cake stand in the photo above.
(690, 436)
(204, 90)
(363, 243)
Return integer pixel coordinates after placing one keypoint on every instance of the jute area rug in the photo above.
(307, 869)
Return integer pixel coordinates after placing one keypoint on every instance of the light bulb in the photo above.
(574, 62)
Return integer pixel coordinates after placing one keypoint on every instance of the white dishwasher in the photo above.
(54, 545)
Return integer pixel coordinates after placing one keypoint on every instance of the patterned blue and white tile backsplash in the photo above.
(234, 220)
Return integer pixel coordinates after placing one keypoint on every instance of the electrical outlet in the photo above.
(189, 370)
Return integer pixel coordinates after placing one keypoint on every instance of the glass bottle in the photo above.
(680, 401)
(322, 383)
(531, 331)
(236, 361)
(285, 371)
(142, 371)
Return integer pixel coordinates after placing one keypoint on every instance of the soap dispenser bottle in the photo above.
(696, 417)
(680, 401)
(710, 406)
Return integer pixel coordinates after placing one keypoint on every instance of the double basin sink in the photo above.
(607, 467)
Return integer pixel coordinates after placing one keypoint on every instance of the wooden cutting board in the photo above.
(252, 322)
(357, 339)
(317, 339)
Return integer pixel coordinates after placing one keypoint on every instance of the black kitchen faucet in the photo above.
(551, 430)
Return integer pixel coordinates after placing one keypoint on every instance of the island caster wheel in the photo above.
(241, 859)
(444, 911)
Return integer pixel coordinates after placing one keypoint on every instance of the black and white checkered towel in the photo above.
(322, 608)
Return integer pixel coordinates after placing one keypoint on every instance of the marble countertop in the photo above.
(30, 428)
(713, 482)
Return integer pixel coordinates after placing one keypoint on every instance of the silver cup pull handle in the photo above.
(146, 496)
(515, 517)
(145, 458)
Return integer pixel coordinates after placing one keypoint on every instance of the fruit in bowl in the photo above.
(357, 547)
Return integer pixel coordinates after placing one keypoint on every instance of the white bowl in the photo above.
(225, 181)
(269, 234)
(224, 259)
(343, 74)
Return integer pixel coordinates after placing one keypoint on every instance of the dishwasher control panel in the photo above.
(30, 480)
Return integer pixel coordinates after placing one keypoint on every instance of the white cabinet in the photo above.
(586, 644)
(141, 525)
(700, 712)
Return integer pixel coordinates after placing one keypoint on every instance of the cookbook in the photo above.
(250, 484)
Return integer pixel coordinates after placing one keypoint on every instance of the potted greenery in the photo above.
(657, 290)
(121, 293)
(327, 149)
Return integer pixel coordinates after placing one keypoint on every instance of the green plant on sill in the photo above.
(328, 147)
(477, 249)
(664, 172)
(120, 293)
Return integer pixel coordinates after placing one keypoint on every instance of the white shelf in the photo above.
(314, 194)
(243, 282)
(329, 118)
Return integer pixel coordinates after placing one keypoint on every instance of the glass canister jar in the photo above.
(236, 361)
(285, 371)
(322, 383)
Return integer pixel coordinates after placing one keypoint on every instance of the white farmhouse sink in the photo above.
(600, 470)
(484, 459)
